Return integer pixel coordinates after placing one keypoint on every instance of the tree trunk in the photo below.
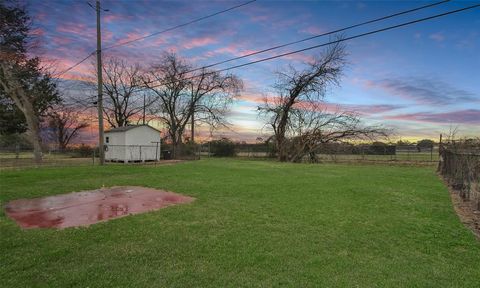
(33, 131)
(192, 139)
(282, 155)
(176, 144)
(177, 148)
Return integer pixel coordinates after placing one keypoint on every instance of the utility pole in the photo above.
(100, 88)
(143, 108)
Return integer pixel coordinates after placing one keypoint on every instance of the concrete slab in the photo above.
(89, 207)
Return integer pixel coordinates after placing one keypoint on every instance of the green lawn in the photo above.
(254, 223)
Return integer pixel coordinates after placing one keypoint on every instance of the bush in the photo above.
(15, 141)
(84, 151)
(188, 149)
(222, 148)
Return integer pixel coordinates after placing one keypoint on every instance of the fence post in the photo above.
(17, 151)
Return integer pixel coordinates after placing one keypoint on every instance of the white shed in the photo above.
(136, 143)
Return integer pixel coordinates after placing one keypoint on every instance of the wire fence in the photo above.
(86, 155)
(81, 155)
(350, 153)
(460, 166)
(23, 158)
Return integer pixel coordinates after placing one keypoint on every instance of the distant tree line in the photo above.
(366, 148)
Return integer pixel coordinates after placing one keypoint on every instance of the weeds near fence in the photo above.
(460, 166)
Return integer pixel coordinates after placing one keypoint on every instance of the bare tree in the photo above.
(298, 115)
(124, 101)
(64, 124)
(181, 96)
(300, 86)
(211, 94)
(312, 125)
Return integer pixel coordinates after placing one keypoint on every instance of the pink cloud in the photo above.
(439, 37)
(370, 109)
(107, 35)
(59, 40)
(73, 28)
(115, 17)
(254, 98)
(131, 36)
(300, 57)
(365, 110)
(232, 49)
(237, 51)
(312, 30)
(37, 32)
(259, 18)
(199, 42)
(41, 16)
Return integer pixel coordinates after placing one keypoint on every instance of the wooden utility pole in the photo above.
(143, 108)
(100, 88)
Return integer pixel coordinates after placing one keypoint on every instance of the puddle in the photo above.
(89, 207)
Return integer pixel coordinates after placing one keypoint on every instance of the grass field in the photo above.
(254, 223)
(10, 160)
(398, 157)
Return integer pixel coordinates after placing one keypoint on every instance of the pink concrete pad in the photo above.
(89, 207)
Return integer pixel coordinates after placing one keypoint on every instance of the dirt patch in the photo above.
(89, 207)
(468, 216)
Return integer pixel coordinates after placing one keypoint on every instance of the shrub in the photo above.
(83, 151)
(222, 148)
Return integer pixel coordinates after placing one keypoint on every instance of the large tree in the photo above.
(124, 99)
(23, 80)
(183, 96)
(295, 86)
(298, 115)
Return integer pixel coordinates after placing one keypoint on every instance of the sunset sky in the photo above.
(420, 79)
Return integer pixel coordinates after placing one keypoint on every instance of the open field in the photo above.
(423, 157)
(254, 223)
(9, 160)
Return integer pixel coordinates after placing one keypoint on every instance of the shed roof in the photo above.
(129, 127)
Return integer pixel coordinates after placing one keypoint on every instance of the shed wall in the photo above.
(137, 144)
(116, 146)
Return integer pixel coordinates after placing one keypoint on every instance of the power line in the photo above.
(316, 36)
(330, 43)
(179, 26)
(75, 65)
(153, 34)
(321, 35)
